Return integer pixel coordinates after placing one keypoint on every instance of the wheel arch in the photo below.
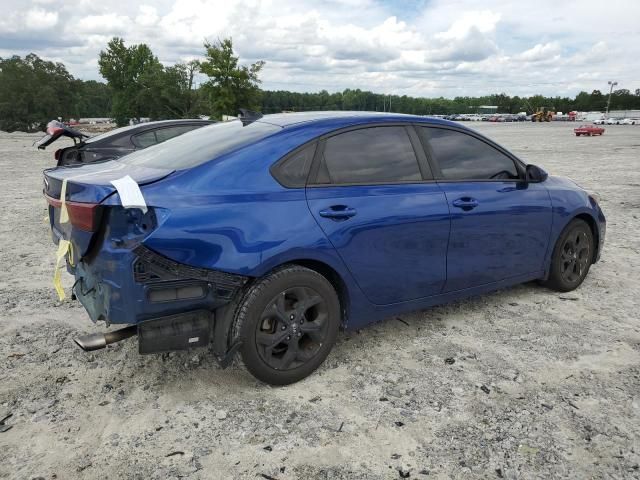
(333, 277)
(594, 231)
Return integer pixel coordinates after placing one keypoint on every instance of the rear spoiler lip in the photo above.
(95, 188)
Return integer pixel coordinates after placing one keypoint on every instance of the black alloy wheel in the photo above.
(575, 256)
(572, 257)
(288, 322)
(292, 328)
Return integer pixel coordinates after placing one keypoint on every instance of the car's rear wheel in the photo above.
(572, 257)
(288, 322)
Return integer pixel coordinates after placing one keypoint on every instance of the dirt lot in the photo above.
(543, 385)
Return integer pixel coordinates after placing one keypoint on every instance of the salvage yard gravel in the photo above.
(522, 383)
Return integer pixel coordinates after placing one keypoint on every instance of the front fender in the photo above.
(569, 201)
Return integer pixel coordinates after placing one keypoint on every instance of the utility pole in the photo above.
(613, 84)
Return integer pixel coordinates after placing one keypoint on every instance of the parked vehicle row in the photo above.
(486, 118)
(616, 121)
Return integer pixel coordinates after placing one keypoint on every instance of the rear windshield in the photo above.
(200, 145)
(110, 133)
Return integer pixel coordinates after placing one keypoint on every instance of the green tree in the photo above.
(92, 99)
(32, 92)
(171, 92)
(231, 86)
(130, 72)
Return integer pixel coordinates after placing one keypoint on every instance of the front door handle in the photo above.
(338, 212)
(465, 203)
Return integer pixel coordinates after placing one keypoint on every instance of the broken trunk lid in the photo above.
(55, 130)
(85, 190)
(92, 183)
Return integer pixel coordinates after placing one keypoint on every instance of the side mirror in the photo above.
(535, 174)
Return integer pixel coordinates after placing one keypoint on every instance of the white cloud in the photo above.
(109, 23)
(148, 16)
(440, 47)
(540, 52)
(481, 22)
(40, 19)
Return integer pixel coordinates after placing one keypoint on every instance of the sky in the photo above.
(427, 48)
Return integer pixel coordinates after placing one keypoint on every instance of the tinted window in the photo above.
(293, 171)
(146, 139)
(200, 145)
(370, 155)
(463, 157)
(111, 133)
(163, 134)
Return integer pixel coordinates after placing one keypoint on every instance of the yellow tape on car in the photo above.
(64, 215)
(64, 247)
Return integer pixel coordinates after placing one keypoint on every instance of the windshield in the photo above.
(200, 145)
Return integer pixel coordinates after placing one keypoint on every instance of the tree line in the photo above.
(34, 91)
(277, 101)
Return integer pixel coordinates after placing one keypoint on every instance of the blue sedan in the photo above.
(262, 237)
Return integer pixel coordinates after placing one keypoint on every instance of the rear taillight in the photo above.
(84, 216)
(56, 155)
(54, 130)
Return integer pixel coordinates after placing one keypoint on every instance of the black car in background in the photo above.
(115, 143)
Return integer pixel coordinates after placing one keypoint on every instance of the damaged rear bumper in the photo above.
(168, 305)
(122, 286)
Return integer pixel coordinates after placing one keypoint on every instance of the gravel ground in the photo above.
(522, 383)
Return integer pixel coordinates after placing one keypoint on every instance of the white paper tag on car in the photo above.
(130, 194)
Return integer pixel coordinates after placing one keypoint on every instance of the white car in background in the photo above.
(628, 121)
(613, 121)
(599, 121)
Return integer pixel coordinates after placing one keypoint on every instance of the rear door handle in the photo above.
(338, 212)
(465, 203)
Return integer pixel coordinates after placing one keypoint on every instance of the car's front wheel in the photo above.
(572, 257)
(288, 322)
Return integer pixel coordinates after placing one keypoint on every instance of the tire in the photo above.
(288, 322)
(572, 257)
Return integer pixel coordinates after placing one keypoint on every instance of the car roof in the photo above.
(346, 118)
(160, 123)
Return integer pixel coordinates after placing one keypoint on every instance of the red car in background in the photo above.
(588, 130)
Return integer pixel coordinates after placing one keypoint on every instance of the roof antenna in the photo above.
(248, 116)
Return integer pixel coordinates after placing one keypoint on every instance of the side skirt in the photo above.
(363, 318)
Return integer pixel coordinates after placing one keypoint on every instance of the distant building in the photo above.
(95, 120)
(487, 109)
(589, 116)
(624, 113)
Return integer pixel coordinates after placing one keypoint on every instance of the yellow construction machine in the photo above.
(542, 114)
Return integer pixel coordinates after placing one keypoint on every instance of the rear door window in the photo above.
(145, 139)
(369, 156)
(163, 134)
(293, 171)
(461, 156)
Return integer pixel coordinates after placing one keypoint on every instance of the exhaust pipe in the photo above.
(96, 341)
